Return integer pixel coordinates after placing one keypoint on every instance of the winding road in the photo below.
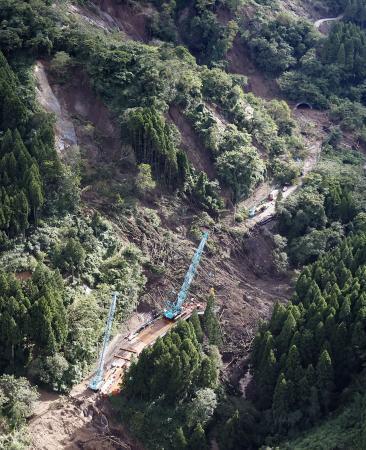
(320, 22)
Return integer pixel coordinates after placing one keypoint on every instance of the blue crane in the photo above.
(97, 380)
(175, 308)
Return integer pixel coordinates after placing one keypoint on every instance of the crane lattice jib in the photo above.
(97, 381)
(175, 309)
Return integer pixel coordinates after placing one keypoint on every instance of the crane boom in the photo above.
(174, 309)
(97, 380)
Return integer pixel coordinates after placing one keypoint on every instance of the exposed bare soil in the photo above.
(308, 9)
(191, 143)
(81, 419)
(240, 63)
(131, 19)
(95, 127)
(239, 267)
(64, 129)
(71, 423)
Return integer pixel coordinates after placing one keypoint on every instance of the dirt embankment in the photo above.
(191, 143)
(95, 127)
(84, 127)
(132, 19)
(64, 129)
(77, 423)
(240, 63)
(308, 9)
(82, 419)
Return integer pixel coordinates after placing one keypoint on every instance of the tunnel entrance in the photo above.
(303, 105)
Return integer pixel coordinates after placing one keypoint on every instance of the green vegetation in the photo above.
(211, 324)
(278, 45)
(345, 430)
(198, 25)
(33, 317)
(29, 166)
(316, 218)
(72, 321)
(26, 26)
(306, 354)
(140, 83)
(308, 360)
(172, 388)
(336, 69)
(355, 11)
(153, 143)
(16, 402)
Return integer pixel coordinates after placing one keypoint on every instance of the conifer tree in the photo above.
(198, 439)
(280, 404)
(210, 322)
(197, 326)
(180, 441)
(325, 379)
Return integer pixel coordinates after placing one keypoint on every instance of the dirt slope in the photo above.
(65, 130)
(240, 63)
(191, 143)
(239, 267)
(130, 19)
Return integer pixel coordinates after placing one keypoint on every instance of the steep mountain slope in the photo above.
(170, 118)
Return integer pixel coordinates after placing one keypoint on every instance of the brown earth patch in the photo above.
(239, 62)
(23, 276)
(96, 129)
(191, 143)
(131, 18)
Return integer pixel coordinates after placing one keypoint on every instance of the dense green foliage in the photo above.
(198, 25)
(140, 83)
(171, 389)
(335, 69)
(344, 429)
(33, 318)
(278, 45)
(16, 403)
(355, 11)
(316, 218)
(85, 252)
(241, 169)
(28, 161)
(178, 365)
(153, 143)
(211, 324)
(16, 400)
(27, 26)
(309, 351)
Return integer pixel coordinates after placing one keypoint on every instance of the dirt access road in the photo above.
(71, 422)
(79, 419)
(316, 120)
(318, 24)
(304, 117)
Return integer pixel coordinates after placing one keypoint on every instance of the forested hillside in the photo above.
(129, 127)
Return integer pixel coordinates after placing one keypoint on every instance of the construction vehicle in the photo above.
(107, 380)
(97, 380)
(273, 194)
(174, 309)
(252, 212)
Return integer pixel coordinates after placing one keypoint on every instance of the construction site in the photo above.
(141, 338)
(108, 378)
(116, 356)
(171, 163)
